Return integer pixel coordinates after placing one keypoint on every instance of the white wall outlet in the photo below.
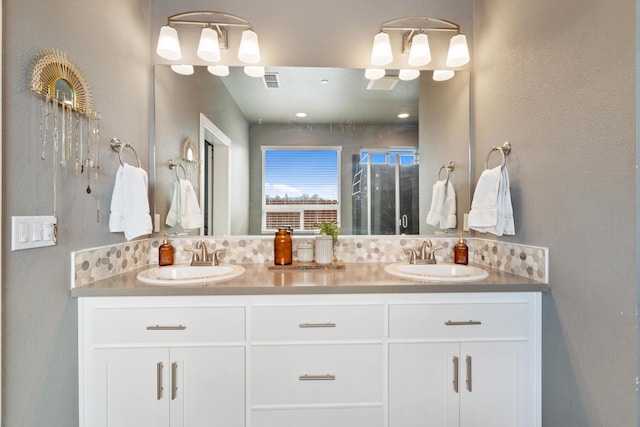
(33, 232)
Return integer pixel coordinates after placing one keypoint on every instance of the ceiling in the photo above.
(342, 98)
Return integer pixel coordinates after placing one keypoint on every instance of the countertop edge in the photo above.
(356, 278)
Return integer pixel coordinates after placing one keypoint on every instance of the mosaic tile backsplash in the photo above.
(99, 263)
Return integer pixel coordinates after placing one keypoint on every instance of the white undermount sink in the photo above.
(175, 275)
(437, 272)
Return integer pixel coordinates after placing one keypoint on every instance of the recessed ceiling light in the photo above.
(403, 115)
(324, 81)
(301, 115)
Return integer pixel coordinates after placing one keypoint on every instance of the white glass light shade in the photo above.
(408, 74)
(442, 75)
(420, 53)
(254, 71)
(381, 53)
(218, 70)
(374, 73)
(168, 44)
(184, 69)
(209, 47)
(458, 51)
(249, 50)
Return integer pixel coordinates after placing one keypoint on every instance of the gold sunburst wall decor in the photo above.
(55, 76)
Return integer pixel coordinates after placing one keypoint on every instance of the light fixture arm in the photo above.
(217, 19)
(426, 24)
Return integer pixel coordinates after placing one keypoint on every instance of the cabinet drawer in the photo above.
(316, 374)
(459, 320)
(314, 417)
(167, 325)
(310, 323)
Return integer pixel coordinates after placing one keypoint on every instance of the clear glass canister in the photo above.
(282, 249)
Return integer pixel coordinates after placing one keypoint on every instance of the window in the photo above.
(300, 187)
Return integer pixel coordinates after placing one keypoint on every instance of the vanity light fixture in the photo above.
(374, 73)
(214, 37)
(408, 74)
(442, 75)
(184, 69)
(218, 70)
(415, 42)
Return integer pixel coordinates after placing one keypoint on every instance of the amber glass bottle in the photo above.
(282, 248)
(461, 252)
(165, 252)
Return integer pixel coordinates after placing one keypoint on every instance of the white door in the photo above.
(422, 388)
(496, 385)
(130, 388)
(208, 388)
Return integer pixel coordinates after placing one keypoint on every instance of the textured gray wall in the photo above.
(557, 80)
(40, 367)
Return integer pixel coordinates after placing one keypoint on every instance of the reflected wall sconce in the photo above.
(214, 37)
(415, 41)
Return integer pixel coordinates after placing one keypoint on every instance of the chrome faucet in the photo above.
(426, 254)
(204, 258)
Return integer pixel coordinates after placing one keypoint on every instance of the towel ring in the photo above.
(504, 149)
(173, 165)
(450, 167)
(118, 146)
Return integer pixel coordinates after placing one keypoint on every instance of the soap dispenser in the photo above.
(461, 252)
(165, 252)
(282, 247)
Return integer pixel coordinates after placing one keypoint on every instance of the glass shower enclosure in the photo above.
(385, 193)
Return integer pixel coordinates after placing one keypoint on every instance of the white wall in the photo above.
(109, 41)
(556, 79)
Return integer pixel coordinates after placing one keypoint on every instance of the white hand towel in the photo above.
(437, 201)
(184, 208)
(130, 203)
(449, 209)
(443, 205)
(491, 209)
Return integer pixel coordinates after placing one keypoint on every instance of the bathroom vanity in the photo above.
(314, 349)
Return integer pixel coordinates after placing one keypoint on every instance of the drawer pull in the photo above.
(159, 381)
(174, 380)
(455, 373)
(464, 323)
(317, 325)
(327, 377)
(166, 328)
(469, 375)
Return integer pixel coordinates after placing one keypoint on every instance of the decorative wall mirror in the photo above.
(55, 76)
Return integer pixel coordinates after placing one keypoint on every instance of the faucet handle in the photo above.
(215, 255)
(412, 255)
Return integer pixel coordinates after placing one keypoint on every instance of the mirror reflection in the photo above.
(387, 164)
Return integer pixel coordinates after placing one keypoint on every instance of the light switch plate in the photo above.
(29, 232)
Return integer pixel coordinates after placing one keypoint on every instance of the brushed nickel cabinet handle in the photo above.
(317, 325)
(327, 377)
(455, 374)
(174, 378)
(159, 367)
(166, 328)
(469, 375)
(463, 323)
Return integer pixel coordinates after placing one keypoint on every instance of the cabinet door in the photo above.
(207, 387)
(496, 383)
(422, 392)
(129, 388)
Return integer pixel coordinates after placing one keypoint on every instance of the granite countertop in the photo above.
(262, 279)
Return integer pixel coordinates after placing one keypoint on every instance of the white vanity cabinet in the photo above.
(470, 362)
(317, 365)
(339, 360)
(145, 363)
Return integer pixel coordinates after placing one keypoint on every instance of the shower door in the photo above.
(385, 195)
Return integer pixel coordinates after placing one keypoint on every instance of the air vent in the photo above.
(271, 80)
(385, 83)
